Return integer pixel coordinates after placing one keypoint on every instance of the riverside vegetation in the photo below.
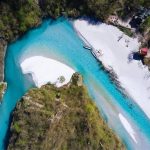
(60, 118)
(16, 17)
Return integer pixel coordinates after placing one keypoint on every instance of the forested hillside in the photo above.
(62, 119)
(17, 16)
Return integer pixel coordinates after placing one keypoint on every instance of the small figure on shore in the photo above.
(120, 37)
(127, 43)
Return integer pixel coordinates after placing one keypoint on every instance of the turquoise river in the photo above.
(58, 40)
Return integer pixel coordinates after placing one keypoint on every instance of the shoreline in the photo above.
(111, 73)
(92, 34)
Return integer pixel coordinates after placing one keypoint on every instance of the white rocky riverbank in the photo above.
(44, 70)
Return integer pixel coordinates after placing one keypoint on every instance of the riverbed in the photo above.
(58, 40)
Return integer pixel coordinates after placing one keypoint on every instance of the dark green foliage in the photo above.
(130, 7)
(99, 9)
(16, 17)
(61, 119)
(126, 31)
(146, 24)
(96, 8)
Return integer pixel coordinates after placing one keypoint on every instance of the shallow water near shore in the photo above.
(58, 40)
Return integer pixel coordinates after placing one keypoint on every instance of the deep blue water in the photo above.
(58, 40)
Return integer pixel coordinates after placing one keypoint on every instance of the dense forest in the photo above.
(62, 119)
(17, 16)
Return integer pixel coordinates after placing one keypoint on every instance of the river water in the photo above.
(58, 40)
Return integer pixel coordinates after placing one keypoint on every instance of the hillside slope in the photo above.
(50, 118)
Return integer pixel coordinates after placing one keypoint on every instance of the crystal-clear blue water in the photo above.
(58, 40)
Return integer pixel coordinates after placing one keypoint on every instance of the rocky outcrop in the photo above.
(77, 79)
(2, 55)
